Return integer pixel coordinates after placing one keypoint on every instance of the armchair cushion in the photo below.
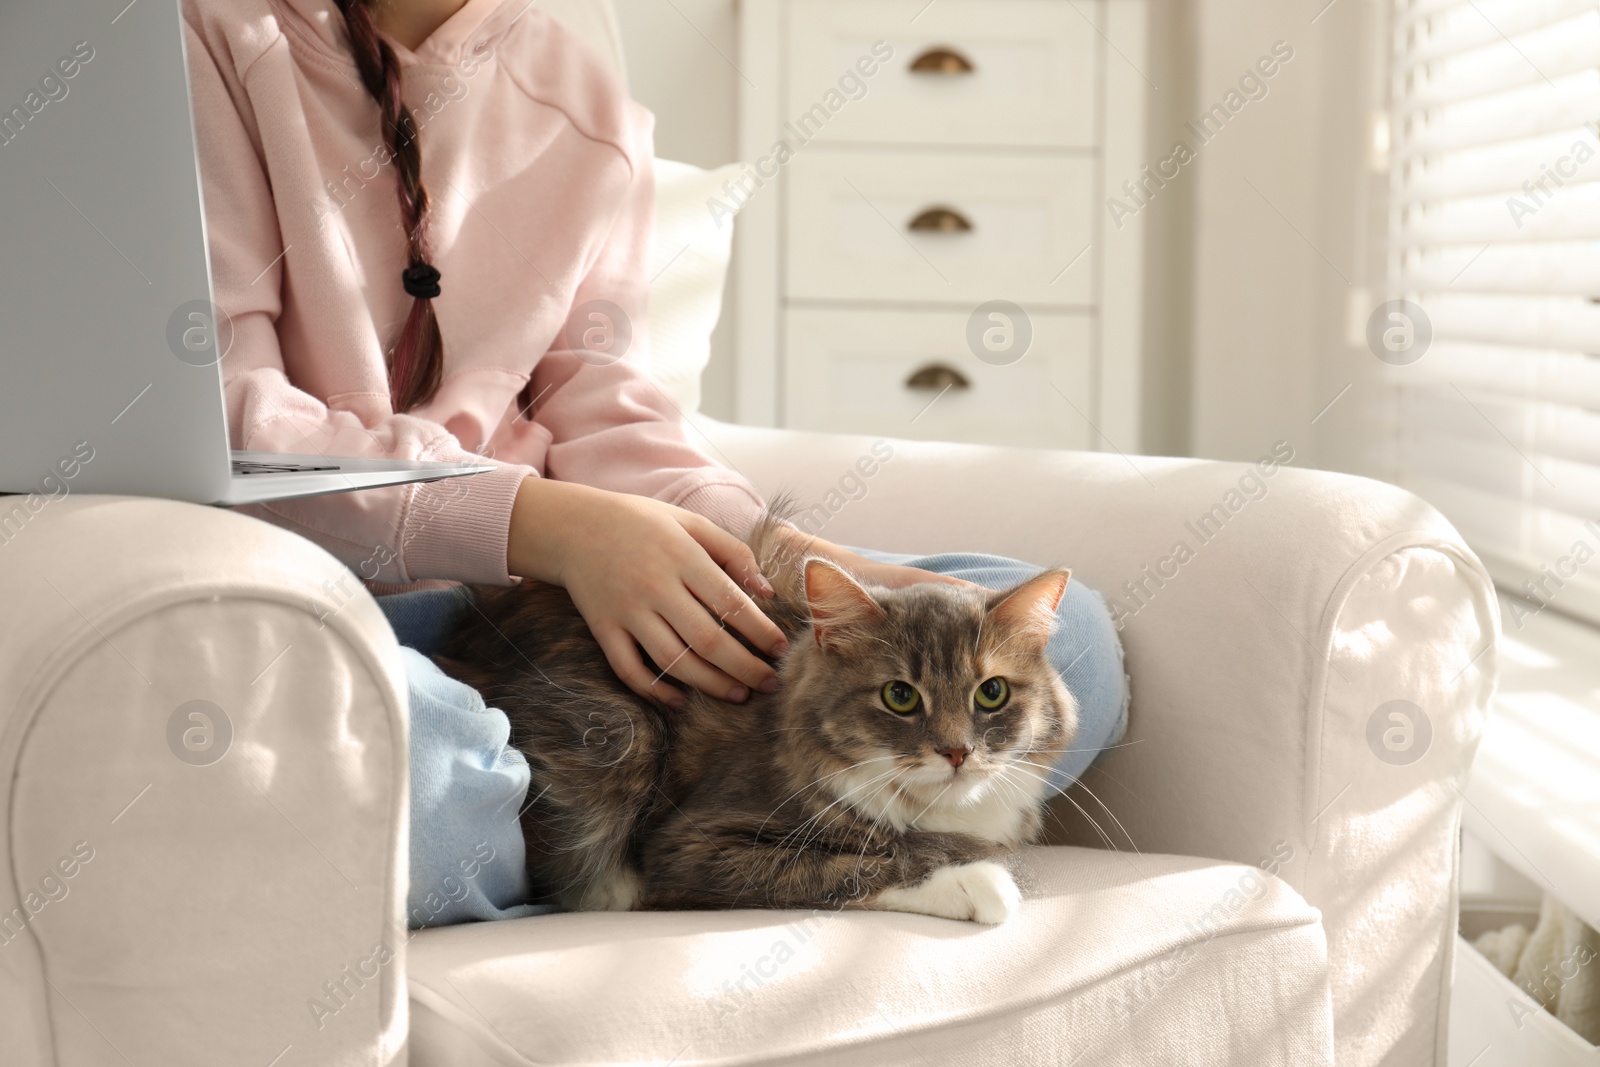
(1115, 959)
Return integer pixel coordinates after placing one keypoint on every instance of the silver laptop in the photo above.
(110, 345)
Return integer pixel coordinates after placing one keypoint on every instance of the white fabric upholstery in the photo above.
(1255, 672)
(226, 898)
(219, 898)
(1111, 961)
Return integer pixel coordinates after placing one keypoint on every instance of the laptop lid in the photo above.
(109, 378)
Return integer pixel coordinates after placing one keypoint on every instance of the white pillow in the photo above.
(689, 263)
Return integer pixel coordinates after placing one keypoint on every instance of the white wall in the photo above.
(682, 60)
(1169, 236)
(1280, 255)
(1354, 434)
(1246, 300)
(1257, 229)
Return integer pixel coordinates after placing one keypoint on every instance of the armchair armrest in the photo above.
(1264, 656)
(203, 812)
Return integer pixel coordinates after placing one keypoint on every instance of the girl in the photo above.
(416, 209)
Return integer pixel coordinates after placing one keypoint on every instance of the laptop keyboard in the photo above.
(247, 466)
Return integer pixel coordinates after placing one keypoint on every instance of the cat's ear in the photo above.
(838, 603)
(1030, 608)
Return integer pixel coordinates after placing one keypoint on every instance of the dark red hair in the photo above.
(416, 362)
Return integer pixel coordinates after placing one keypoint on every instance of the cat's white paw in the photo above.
(976, 892)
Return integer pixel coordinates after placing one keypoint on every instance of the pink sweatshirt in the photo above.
(539, 168)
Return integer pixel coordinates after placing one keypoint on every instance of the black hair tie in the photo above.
(421, 281)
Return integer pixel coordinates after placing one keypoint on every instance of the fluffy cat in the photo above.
(905, 751)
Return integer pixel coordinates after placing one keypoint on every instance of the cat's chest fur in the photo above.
(1006, 813)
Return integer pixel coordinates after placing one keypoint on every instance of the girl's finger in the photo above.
(694, 624)
(718, 593)
(729, 553)
(714, 593)
(623, 654)
(662, 640)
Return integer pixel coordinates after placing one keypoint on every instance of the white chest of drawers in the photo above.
(913, 162)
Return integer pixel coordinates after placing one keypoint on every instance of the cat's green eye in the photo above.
(901, 698)
(992, 694)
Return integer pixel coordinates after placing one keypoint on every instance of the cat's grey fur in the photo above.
(816, 796)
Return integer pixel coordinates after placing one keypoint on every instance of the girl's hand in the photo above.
(644, 574)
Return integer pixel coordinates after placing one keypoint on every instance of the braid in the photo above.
(416, 364)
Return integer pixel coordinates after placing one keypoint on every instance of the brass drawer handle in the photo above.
(942, 61)
(938, 376)
(941, 220)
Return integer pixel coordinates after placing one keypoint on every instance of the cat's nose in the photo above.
(955, 755)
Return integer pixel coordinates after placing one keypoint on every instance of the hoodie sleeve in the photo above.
(612, 425)
(454, 529)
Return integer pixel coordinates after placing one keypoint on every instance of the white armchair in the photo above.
(222, 883)
(235, 910)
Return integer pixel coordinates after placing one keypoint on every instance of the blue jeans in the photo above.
(468, 784)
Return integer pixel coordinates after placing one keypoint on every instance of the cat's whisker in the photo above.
(1103, 835)
(1062, 793)
(1079, 783)
(858, 805)
(930, 804)
(1108, 748)
(1017, 765)
(1015, 787)
(814, 783)
(1051, 788)
(1056, 791)
(1111, 814)
(839, 800)
(833, 819)
(866, 839)
(883, 812)
(1116, 781)
(1007, 778)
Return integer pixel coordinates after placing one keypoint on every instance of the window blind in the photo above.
(1494, 232)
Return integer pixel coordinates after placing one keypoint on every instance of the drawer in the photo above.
(846, 371)
(1013, 225)
(1032, 81)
